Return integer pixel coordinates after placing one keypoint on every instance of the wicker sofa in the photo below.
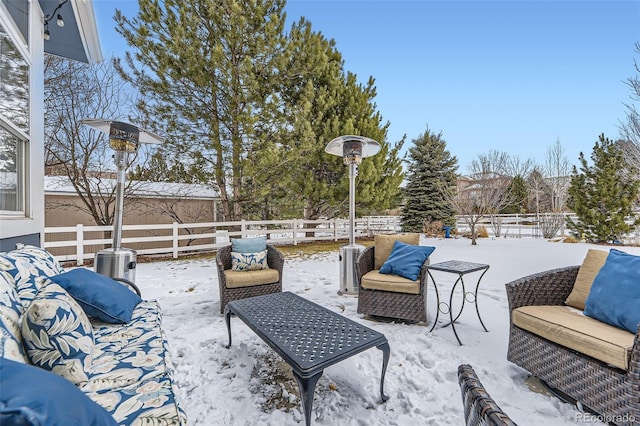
(584, 360)
(60, 363)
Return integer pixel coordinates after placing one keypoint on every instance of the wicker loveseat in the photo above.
(584, 360)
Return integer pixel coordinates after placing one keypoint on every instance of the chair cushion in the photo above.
(374, 280)
(406, 260)
(237, 279)
(249, 261)
(248, 245)
(384, 245)
(33, 396)
(100, 296)
(58, 335)
(615, 294)
(590, 267)
(570, 328)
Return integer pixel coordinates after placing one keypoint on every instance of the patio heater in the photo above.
(117, 262)
(352, 149)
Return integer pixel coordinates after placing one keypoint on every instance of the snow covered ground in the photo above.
(249, 385)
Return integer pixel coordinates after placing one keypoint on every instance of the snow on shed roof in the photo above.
(62, 185)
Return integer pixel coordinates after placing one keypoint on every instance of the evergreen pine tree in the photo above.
(518, 193)
(603, 195)
(431, 174)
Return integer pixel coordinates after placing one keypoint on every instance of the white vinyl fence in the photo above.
(81, 242)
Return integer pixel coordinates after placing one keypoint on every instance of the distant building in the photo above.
(147, 203)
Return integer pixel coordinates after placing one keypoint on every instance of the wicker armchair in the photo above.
(595, 385)
(275, 260)
(390, 304)
(479, 408)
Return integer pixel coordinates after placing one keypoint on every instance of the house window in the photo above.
(12, 167)
(14, 118)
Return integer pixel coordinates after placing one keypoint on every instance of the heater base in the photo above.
(117, 263)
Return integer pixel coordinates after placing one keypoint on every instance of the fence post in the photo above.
(79, 244)
(243, 229)
(335, 229)
(175, 240)
(294, 231)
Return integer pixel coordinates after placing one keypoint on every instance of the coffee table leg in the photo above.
(307, 387)
(385, 361)
(227, 318)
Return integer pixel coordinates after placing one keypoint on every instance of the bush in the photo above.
(433, 228)
(571, 240)
(482, 232)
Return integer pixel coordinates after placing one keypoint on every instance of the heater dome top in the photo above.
(105, 125)
(336, 146)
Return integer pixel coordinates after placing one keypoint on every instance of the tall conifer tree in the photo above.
(253, 107)
(431, 176)
(603, 195)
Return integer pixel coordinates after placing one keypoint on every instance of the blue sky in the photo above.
(510, 75)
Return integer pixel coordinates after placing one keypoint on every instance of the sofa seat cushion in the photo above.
(374, 280)
(237, 279)
(148, 402)
(569, 327)
(130, 353)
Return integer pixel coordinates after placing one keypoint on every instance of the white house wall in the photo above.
(30, 228)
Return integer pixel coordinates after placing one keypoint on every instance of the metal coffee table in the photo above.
(307, 336)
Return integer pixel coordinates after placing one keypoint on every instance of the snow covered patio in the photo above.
(248, 384)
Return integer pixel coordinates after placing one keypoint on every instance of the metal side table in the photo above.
(307, 336)
(460, 268)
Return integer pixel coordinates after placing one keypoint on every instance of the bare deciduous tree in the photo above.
(74, 91)
(630, 129)
(558, 171)
(486, 191)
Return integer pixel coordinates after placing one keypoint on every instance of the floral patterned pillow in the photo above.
(26, 268)
(58, 335)
(249, 261)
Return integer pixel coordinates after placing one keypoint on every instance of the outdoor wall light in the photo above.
(352, 149)
(49, 17)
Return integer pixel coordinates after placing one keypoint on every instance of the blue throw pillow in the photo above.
(406, 260)
(33, 396)
(615, 293)
(100, 296)
(249, 245)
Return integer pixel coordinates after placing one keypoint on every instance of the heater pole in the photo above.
(121, 165)
(353, 172)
